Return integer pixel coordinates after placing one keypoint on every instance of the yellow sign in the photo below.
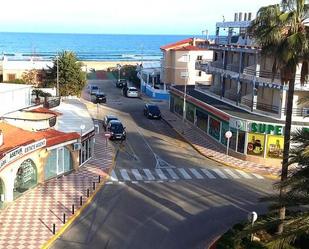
(256, 144)
(275, 146)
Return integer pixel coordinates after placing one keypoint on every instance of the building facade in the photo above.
(242, 98)
(178, 62)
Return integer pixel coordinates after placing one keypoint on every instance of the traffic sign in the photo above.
(228, 134)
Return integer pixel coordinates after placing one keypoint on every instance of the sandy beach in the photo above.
(103, 65)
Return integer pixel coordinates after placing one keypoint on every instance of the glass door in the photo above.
(60, 161)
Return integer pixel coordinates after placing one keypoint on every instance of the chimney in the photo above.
(1, 138)
(245, 16)
(240, 16)
(249, 16)
(235, 17)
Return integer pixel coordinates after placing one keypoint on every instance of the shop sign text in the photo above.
(266, 129)
(21, 151)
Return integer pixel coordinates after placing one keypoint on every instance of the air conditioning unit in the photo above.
(77, 146)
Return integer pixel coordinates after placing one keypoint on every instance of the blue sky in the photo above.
(122, 16)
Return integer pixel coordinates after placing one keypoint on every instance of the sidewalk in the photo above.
(27, 223)
(206, 146)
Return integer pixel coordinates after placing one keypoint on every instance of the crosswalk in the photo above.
(177, 174)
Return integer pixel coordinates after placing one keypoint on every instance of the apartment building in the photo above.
(178, 62)
(243, 97)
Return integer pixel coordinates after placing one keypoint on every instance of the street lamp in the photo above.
(57, 58)
(185, 58)
(118, 67)
(82, 127)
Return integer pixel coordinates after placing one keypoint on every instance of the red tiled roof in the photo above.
(190, 48)
(177, 44)
(15, 137)
(45, 110)
(54, 137)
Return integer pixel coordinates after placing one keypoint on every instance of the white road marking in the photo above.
(161, 174)
(137, 175)
(219, 173)
(208, 174)
(114, 176)
(172, 174)
(196, 173)
(258, 176)
(149, 175)
(125, 175)
(232, 174)
(184, 173)
(244, 174)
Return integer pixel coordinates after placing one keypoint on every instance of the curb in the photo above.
(270, 176)
(62, 230)
(213, 243)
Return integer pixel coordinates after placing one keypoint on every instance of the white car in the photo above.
(132, 92)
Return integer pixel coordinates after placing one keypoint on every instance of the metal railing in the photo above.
(51, 102)
(232, 67)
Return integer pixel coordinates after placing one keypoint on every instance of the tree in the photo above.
(30, 77)
(71, 77)
(281, 32)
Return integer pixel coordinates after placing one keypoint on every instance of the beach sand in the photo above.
(103, 65)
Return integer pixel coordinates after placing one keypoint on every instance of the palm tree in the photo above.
(282, 33)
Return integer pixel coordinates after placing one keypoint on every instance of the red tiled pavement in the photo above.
(206, 146)
(27, 223)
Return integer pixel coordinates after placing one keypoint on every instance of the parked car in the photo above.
(121, 83)
(152, 111)
(118, 131)
(132, 92)
(108, 118)
(94, 89)
(99, 97)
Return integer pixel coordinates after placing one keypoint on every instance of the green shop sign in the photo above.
(266, 129)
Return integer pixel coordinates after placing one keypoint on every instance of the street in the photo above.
(162, 193)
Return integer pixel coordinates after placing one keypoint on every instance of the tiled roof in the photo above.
(177, 44)
(190, 48)
(54, 137)
(15, 137)
(45, 110)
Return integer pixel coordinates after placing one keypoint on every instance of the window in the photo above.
(11, 77)
(214, 128)
(202, 120)
(199, 57)
(199, 74)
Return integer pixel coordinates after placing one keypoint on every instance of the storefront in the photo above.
(87, 147)
(265, 140)
(59, 161)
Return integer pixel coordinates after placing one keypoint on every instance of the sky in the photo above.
(121, 16)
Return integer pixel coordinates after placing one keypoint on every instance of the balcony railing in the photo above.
(232, 67)
(217, 64)
(267, 76)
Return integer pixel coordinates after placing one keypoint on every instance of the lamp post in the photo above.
(82, 127)
(185, 58)
(57, 58)
(118, 67)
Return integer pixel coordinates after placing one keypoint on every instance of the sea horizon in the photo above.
(88, 47)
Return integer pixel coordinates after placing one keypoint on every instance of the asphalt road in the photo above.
(163, 194)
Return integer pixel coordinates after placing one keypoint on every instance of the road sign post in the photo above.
(228, 135)
(107, 135)
(252, 217)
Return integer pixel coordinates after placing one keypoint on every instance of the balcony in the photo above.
(232, 67)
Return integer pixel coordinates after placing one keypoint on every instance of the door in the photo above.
(60, 166)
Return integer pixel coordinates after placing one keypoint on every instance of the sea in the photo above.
(88, 47)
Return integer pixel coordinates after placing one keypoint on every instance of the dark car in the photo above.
(94, 90)
(117, 130)
(108, 118)
(121, 83)
(152, 111)
(99, 97)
